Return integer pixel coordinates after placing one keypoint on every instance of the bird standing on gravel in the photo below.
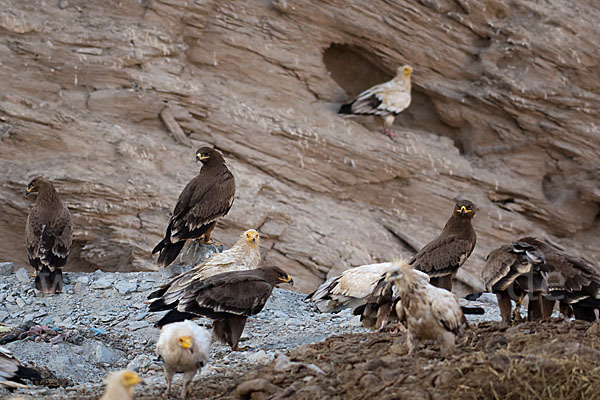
(429, 312)
(12, 372)
(244, 255)
(204, 200)
(228, 299)
(183, 347)
(48, 236)
(386, 100)
(119, 385)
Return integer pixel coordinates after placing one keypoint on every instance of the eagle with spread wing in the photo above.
(228, 299)
(48, 235)
(386, 100)
(204, 200)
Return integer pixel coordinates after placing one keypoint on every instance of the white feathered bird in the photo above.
(119, 385)
(183, 347)
(429, 312)
(350, 288)
(386, 100)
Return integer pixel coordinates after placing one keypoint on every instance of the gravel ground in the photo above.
(100, 323)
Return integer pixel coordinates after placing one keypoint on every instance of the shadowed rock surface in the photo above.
(110, 99)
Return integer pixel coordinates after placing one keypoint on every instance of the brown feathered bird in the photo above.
(441, 258)
(12, 373)
(513, 270)
(119, 385)
(48, 236)
(386, 100)
(228, 299)
(204, 200)
(244, 255)
(573, 281)
(429, 312)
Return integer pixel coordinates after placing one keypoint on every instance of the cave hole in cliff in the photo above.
(355, 69)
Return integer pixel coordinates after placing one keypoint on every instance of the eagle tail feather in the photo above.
(346, 109)
(169, 253)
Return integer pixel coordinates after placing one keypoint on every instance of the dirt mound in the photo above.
(555, 360)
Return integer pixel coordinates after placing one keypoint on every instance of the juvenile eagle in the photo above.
(228, 299)
(183, 347)
(119, 385)
(204, 200)
(429, 312)
(244, 255)
(48, 236)
(12, 372)
(386, 100)
(513, 270)
(573, 281)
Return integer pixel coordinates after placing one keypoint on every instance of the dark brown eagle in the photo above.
(440, 259)
(573, 281)
(228, 299)
(48, 236)
(12, 372)
(513, 270)
(204, 200)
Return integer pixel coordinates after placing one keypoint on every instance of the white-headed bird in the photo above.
(184, 347)
(386, 100)
(119, 385)
(429, 312)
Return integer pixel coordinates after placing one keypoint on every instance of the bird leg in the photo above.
(187, 379)
(447, 344)
(412, 342)
(388, 121)
(505, 306)
(205, 239)
(169, 377)
(517, 310)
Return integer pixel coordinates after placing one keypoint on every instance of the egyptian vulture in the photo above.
(244, 255)
(119, 385)
(513, 270)
(228, 299)
(573, 281)
(12, 372)
(204, 200)
(184, 347)
(48, 236)
(429, 312)
(386, 100)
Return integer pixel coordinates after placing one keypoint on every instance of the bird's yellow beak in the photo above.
(130, 378)
(287, 279)
(185, 341)
(408, 71)
(28, 190)
(200, 157)
(463, 210)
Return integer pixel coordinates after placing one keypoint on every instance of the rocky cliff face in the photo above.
(110, 100)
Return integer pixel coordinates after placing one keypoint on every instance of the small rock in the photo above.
(22, 275)
(255, 385)
(20, 302)
(103, 282)
(63, 4)
(315, 368)
(98, 331)
(124, 287)
(10, 298)
(105, 355)
(135, 325)
(260, 357)
(282, 362)
(355, 321)
(140, 363)
(3, 315)
(6, 268)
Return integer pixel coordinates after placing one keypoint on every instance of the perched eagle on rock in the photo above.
(48, 236)
(573, 281)
(386, 100)
(119, 385)
(204, 200)
(183, 347)
(428, 312)
(228, 299)
(12, 372)
(513, 270)
(244, 255)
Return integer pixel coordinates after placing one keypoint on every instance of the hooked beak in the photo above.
(392, 275)
(463, 210)
(200, 157)
(185, 342)
(287, 279)
(28, 190)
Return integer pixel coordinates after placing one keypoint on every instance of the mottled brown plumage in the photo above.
(204, 200)
(573, 281)
(441, 258)
(227, 298)
(513, 270)
(48, 235)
